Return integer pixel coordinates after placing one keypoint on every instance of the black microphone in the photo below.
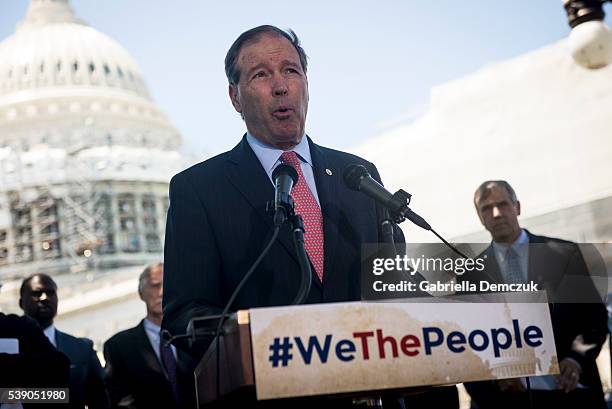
(358, 178)
(284, 177)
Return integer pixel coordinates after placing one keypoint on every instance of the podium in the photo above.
(365, 350)
(235, 367)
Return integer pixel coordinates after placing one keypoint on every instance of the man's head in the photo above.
(266, 70)
(498, 210)
(38, 298)
(151, 291)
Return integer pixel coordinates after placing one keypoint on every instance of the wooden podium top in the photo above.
(369, 348)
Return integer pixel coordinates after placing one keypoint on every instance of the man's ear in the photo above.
(518, 208)
(478, 210)
(233, 94)
(480, 217)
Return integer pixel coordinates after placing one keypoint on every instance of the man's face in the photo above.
(153, 291)
(39, 300)
(499, 215)
(272, 94)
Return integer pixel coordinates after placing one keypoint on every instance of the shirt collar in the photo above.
(50, 334)
(518, 245)
(151, 326)
(269, 155)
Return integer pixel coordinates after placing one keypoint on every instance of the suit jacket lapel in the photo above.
(534, 262)
(327, 188)
(543, 262)
(493, 269)
(59, 340)
(248, 176)
(146, 350)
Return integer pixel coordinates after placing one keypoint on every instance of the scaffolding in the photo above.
(54, 226)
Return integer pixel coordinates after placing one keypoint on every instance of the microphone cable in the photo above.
(233, 298)
(453, 248)
(357, 177)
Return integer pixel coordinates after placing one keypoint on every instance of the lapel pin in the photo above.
(329, 172)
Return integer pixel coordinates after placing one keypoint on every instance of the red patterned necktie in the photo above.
(307, 207)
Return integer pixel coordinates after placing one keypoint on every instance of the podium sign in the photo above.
(350, 347)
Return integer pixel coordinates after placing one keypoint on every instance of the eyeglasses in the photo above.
(39, 293)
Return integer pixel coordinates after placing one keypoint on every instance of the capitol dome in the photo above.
(85, 154)
(52, 48)
(55, 65)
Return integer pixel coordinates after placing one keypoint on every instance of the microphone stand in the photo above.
(399, 211)
(386, 228)
(203, 326)
(297, 227)
(286, 214)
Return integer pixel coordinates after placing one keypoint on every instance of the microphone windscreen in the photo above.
(286, 170)
(353, 175)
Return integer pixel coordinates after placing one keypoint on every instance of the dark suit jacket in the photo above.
(217, 226)
(35, 351)
(550, 262)
(135, 377)
(86, 373)
(38, 363)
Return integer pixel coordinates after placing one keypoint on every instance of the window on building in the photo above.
(24, 253)
(153, 243)
(4, 253)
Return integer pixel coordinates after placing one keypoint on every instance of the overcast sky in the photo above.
(372, 64)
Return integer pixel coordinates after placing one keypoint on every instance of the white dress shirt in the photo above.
(153, 333)
(269, 157)
(50, 334)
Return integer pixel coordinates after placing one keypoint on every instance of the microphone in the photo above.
(590, 41)
(358, 178)
(284, 177)
(581, 11)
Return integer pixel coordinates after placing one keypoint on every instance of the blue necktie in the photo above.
(169, 362)
(514, 272)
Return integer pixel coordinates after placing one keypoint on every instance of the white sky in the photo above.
(371, 64)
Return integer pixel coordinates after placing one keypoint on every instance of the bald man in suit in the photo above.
(137, 375)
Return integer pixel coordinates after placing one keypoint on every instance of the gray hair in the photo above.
(144, 276)
(485, 189)
(231, 67)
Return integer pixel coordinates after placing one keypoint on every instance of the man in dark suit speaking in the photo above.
(217, 222)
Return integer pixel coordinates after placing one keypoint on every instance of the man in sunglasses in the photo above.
(38, 300)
